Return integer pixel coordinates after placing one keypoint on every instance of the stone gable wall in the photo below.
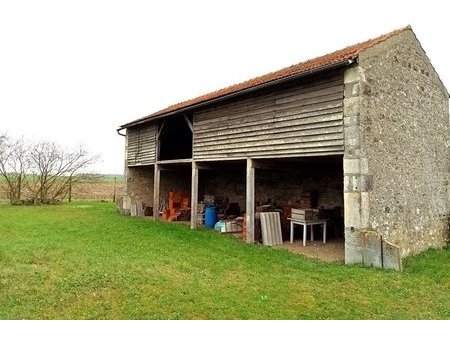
(396, 162)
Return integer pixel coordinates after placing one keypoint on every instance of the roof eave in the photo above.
(329, 67)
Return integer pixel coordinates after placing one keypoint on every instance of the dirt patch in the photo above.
(332, 251)
(86, 191)
(96, 191)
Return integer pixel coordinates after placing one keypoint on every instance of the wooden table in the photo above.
(305, 224)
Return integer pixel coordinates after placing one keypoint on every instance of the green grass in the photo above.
(85, 261)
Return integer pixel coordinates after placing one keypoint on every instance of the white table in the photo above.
(305, 224)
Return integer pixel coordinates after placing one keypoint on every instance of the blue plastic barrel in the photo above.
(210, 217)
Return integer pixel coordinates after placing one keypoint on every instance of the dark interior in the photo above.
(175, 139)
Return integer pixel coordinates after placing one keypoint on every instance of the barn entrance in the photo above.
(222, 186)
(312, 186)
(280, 185)
(173, 191)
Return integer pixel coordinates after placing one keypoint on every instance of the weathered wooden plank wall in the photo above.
(141, 148)
(300, 120)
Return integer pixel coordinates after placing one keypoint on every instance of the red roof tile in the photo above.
(347, 53)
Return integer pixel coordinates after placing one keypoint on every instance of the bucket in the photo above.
(210, 217)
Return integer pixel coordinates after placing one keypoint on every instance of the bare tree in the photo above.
(43, 171)
(53, 170)
(13, 166)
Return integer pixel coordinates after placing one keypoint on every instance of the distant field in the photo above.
(110, 178)
(83, 260)
(96, 191)
(101, 190)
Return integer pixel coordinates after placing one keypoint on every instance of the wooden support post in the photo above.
(156, 192)
(250, 201)
(194, 195)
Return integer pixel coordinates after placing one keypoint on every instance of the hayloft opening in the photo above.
(175, 140)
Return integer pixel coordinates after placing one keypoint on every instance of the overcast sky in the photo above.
(73, 71)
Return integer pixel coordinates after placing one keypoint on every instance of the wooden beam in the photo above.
(159, 131)
(205, 167)
(266, 165)
(156, 192)
(250, 201)
(157, 141)
(176, 161)
(194, 195)
(191, 127)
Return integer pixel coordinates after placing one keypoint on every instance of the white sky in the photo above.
(73, 71)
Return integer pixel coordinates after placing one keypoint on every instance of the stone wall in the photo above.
(174, 179)
(296, 186)
(279, 186)
(396, 157)
(139, 185)
(229, 183)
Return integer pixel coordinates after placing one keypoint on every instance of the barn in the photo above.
(358, 137)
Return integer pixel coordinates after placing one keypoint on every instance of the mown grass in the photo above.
(85, 261)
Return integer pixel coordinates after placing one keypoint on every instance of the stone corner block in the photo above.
(372, 251)
(352, 166)
(352, 74)
(392, 258)
(352, 209)
(364, 166)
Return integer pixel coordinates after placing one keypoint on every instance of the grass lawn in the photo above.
(84, 261)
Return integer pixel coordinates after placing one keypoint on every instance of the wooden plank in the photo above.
(279, 133)
(180, 160)
(275, 116)
(224, 114)
(304, 122)
(255, 115)
(141, 145)
(267, 129)
(273, 124)
(323, 151)
(265, 120)
(250, 201)
(277, 93)
(311, 94)
(274, 128)
(156, 184)
(270, 149)
(275, 133)
(313, 129)
(194, 195)
(305, 119)
(245, 109)
(270, 142)
(274, 94)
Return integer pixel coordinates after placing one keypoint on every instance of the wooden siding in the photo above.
(301, 120)
(141, 147)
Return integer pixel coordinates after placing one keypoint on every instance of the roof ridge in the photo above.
(329, 59)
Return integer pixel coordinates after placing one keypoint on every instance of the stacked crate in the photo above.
(201, 207)
(304, 214)
(179, 206)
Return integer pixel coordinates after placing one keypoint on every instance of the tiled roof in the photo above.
(337, 57)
